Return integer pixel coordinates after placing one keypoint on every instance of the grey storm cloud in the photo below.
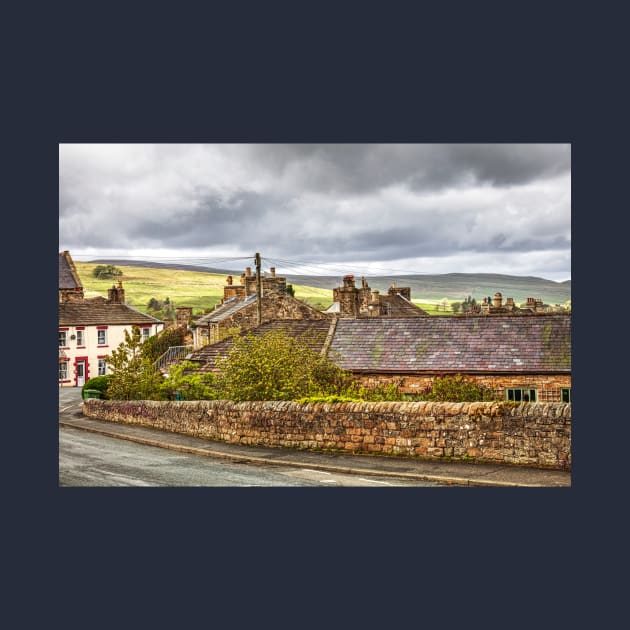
(341, 202)
(361, 168)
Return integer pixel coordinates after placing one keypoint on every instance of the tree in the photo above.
(275, 366)
(456, 307)
(134, 375)
(105, 272)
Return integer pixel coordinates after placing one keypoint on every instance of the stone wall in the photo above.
(506, 433)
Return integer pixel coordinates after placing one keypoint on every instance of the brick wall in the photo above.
(522, 434)
(548, 386)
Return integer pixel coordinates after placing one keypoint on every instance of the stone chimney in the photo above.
(272, 270)
(116, 295)
(183, 315)
(348, 297)
(498, 300)
(509, 303)
(229, 280)
(248, 272)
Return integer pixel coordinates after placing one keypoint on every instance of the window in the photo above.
(146, 332)
(102, 367)
(63, 338)
(102, 338)
(79, 337)
(63, 370)
(521, 395)
(565, 394)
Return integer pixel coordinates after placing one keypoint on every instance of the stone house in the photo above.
(352, 301)
(239, 307)
(89, 329)
(519, 358)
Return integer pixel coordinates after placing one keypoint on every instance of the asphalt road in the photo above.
(92, 460)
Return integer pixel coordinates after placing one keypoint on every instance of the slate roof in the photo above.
(99, 312)
(228, 308)
(528, 344)
(400, 306)
(314, 332)
(68, 276)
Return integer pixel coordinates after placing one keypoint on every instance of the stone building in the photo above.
(496, 306)
(352, 301)
(239, 307)
(70, 285)
(519, 358)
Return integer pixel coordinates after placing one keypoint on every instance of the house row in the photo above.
(520, 358)
(380, 338)
(239, 306)
(90, 328)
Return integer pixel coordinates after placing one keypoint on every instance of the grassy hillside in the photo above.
(203, 289)
(198, 289)
(456, 286)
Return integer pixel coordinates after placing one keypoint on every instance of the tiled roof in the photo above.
(68, 276)
(100, 312)
(314, 333)
(527, 344)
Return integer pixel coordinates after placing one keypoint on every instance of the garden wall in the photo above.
(506, 433)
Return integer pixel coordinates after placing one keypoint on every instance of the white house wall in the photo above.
(90, 350)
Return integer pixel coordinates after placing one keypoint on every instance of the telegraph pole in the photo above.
(258, 288)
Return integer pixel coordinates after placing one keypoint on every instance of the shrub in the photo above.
(276, 366)
(100, 383)
(456, 389)
(183, 383)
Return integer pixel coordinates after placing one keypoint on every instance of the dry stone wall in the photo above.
(522, 434)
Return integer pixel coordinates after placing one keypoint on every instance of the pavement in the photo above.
(448, 473)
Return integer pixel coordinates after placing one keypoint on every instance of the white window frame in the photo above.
(80, 337)
(102, 367)
(101, 332)
(63, 370)
(146, 333)
(562, 390)
(63, 335)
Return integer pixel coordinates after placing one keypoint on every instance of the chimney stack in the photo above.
(273, 271)
(248, 272)
(498, 300)
(348, 281)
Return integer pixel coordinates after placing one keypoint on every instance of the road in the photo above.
(91, 460)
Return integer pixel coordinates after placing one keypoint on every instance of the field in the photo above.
(203, 290)
(198, 289)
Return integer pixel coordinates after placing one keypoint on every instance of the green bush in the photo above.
(100, 383)
(456, 389)
(275, 366)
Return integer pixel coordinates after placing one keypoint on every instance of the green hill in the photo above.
(202, 287)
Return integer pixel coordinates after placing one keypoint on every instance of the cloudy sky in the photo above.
(368, 209)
